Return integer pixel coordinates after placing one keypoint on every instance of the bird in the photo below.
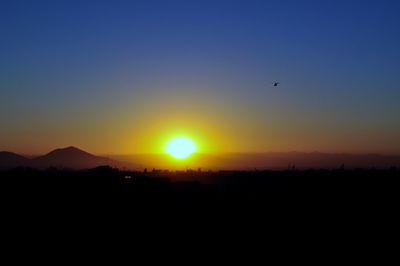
(276, 84)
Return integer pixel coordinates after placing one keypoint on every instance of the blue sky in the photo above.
(70, 66)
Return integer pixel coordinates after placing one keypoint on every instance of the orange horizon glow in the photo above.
(126, 78)
(216, 128)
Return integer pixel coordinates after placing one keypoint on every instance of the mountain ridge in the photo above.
(12, 160)
(68, 158)
(77, 159)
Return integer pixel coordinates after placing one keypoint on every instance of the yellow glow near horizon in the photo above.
(180, 147)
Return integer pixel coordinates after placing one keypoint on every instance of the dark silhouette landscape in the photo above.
(72, 176)
(61, 191)
(73, 158)
(65, 158)
(239, 116)
(274, 200)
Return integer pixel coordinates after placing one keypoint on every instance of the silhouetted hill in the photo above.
(11, 160)
(72, 158)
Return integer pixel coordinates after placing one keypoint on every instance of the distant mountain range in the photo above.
(74, 158)
(69, 158)
(267, 160)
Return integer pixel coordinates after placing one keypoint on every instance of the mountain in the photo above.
(10, 160)
(72, 158)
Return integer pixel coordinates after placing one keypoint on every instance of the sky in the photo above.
(121, 77)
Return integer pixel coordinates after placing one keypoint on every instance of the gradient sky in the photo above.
(124, 76)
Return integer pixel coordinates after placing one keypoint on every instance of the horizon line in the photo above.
(211, 153)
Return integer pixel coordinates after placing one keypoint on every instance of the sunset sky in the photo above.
(121, 77)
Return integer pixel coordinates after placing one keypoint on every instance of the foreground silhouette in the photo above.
(275, 206)
(257, 192)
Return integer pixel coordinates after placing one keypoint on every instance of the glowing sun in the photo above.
(180, 147)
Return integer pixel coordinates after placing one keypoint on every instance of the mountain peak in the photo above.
(69, 150)
(69, 157)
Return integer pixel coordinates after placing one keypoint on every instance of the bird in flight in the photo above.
(276, 84)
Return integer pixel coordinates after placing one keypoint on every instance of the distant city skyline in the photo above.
(124, 77)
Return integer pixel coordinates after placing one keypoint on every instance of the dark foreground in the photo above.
(271, 206)
(105, 190)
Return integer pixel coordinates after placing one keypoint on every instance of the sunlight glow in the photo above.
(180, 147)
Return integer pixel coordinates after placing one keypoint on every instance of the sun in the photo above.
(180, 147)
